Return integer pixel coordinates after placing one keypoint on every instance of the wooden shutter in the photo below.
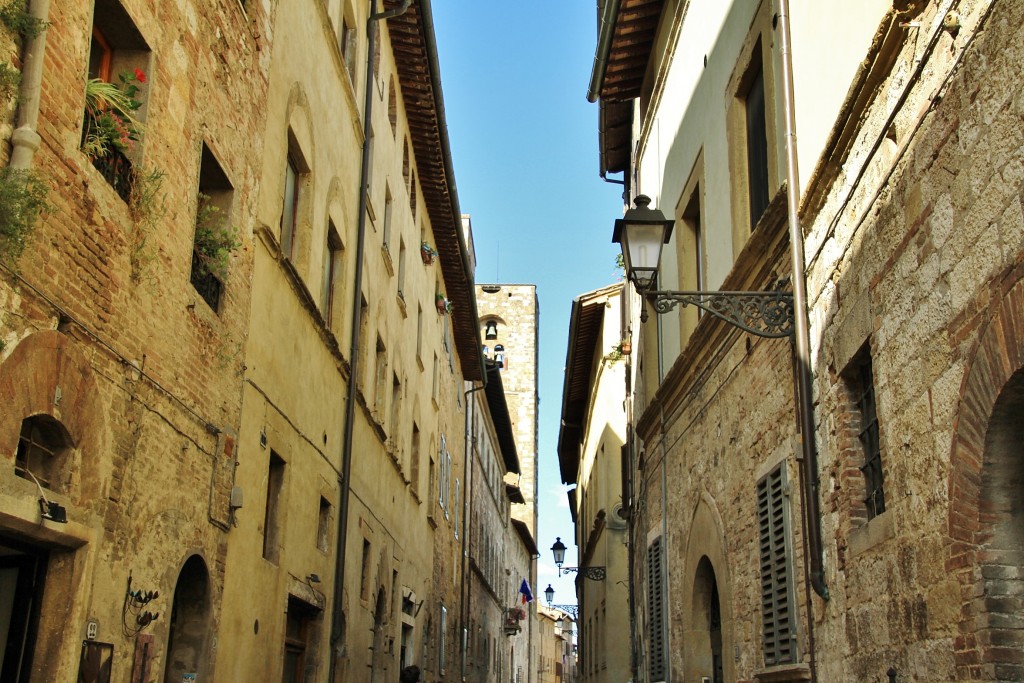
(776, 575)
(655, 612)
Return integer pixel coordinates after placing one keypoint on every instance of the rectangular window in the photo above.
(401, 269)
(431, 478)
(776, 573)
(215, 237)
(323, 525)
(380, 395)
(442, 644)
(364, 340)
(296, 640)
(861, 381)
(333, 255)
(112, 131)
(442, 481)
(272, 513)
(290, 208)
(655, 612)
(364, 577)
(757, 143)
(458, 494)
(396, 410)
(347, 45)
(414, 464)
(388, 217)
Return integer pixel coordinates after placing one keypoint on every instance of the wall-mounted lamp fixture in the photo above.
(642, 232)
(48, 509)
(549, 593)
(592, 573)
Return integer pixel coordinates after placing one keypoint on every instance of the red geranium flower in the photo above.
(140, 75)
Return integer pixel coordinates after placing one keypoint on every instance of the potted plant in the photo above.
(427, 253)
(443, 305)
(110, 129)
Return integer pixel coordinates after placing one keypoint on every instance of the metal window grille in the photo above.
(776, 574)
(864, 390)
(655, 612)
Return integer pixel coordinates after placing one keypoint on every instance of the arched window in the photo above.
(41, 451)
(499, 355)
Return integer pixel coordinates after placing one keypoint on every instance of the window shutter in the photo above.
(655, 612)
(776, 575)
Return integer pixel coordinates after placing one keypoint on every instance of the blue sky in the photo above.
(524, 147)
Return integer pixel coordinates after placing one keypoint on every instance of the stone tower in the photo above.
(509, 315)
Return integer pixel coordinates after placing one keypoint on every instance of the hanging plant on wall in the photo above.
(444, 306)
(14, 17)
(427, 253)
(22, 201)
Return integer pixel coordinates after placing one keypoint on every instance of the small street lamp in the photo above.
(592, 573)
(642, 233)
(549, 594)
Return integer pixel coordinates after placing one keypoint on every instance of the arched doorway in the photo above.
(188, 638)
(707, 621)
(986, 515)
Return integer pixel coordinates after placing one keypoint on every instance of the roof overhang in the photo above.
(585, 324)
(498, 406)
(524, 533)
(626, 32)
(419, 75)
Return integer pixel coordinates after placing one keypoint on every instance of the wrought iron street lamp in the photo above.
(592, 573)
(642, 232)
(549, 594)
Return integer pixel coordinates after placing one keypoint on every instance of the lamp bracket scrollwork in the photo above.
(592, 573)
(765, 314)
(574, 610)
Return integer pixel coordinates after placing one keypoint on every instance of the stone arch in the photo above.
(48, 374)
(986, 552)
(705, 574)
(190, 623)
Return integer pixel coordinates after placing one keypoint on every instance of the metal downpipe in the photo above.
(25, 139)
(802, 338)
(344, 479)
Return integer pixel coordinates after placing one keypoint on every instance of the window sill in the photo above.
(784, 673)
(875, 532)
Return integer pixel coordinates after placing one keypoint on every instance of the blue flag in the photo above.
(524, 588)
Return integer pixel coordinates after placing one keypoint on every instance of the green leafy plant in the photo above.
(148, 205)
(110, 122)
(10, 78)
(14, 17)
(22, 201)
(215, 238)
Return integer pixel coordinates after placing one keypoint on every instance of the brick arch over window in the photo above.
(982, 506)
(47, 374)
(705, 556)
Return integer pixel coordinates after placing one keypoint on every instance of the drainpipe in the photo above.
(25, 140)
(465, 596)
(344, 479)
(809, 462)
(604, 46)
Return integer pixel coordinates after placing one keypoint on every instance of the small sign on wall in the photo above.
(188, 678)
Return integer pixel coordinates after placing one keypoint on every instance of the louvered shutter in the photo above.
(655, 612)
(776, 584)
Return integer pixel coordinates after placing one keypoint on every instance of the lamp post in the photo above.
(592, 573)
(549, 594)
(642, 232)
